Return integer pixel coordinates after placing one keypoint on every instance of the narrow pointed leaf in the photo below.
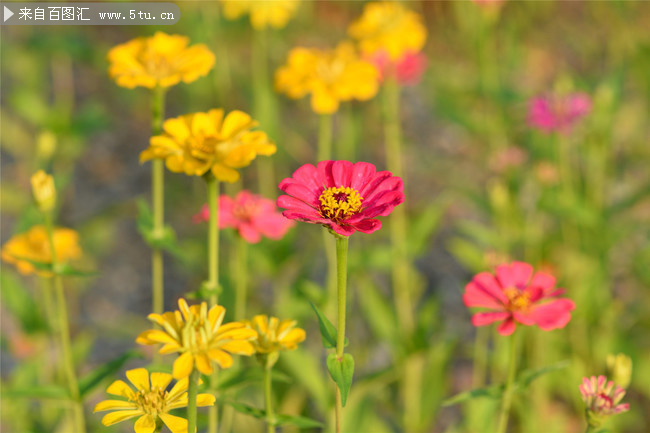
(341, 372)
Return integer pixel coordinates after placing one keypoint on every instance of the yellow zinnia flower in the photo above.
(34, 245)
(263, 14)
(330, 76)
(195, 143)
(161, 60)
(199, 337)
(274, 335)
(44, 191)
(390, 27)
(150, 401)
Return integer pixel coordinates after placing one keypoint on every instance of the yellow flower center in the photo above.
(518, 300)
(339, 203)
(152, 401)
(330, 69)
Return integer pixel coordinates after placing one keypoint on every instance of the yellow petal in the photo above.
(203, 364)
(145, 424)
(160, 380)
(205, 400)
(114, 404)
(239, 347)
(177, 128)
(324, 102)
(220, 357)
(120, 388)
(154, 336)
(174, 423)
(178, 389)
(183, 365)
(139, 377)
(119, 416)
(235, 122)
(225, 173)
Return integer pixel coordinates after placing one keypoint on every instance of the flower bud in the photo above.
(44, 191)
(620, 369)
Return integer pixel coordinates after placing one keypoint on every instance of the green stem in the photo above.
(64, 335)
(411, 380)
(268, 395)
(507, 395)
(480, 356)
(192, 391)
(213, 278)
(325, 138)
(264, 107)
(341, 280)
(241, 279)
(158, 202)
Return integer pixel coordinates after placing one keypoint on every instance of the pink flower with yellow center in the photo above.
(602, 398)
(514, 296)
(252, 215)
(407, 70)
(343, 196)
(558, 113)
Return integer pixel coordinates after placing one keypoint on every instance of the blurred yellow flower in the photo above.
(390, 27)
(161, 60)
(620, 369)
(34, 245)
(196, 143)
(263, 14)
(199, 337)
(274, 335)
(150, 401)
(330, 76)
(44, 191)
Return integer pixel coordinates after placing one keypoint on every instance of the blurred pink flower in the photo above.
(602, 399)
(408, 70)
(512, 296)
(343, 196)
(558, 113)
(253, 216)
(507, 158)
(489, 2)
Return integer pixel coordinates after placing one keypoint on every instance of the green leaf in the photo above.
(425, 225)
(94, 378)
(327, 330)
(494, 392)
(341, 372)
(166, 241)
(44, 392)
(247, 410)
(230, 379)
(528, 376)
(18, 300)
(298, 421)
(70, 271)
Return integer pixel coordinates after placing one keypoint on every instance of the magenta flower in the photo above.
(512, 296)
(556, 113)
(602, 399)
(253, 216)
(408, 70)
(343, 196)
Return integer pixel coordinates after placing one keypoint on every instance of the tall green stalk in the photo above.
(268, 396)
(158, 202)
(64, 334)
(213, 277)
(507, 394)
(341, 283)
(324, 153)
(411, 380)
(241, 278)
(192, 392)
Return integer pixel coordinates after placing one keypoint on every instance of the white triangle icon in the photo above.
(8, 14)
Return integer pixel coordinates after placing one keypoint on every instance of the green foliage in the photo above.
(280, 419)
(341, 371)
(327, 330)
(93, 379)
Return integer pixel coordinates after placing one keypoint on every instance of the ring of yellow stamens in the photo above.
(518, 300)
(151, 401)
(339, 203)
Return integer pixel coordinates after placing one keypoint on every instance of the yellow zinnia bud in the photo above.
(620, 369)
(44, 191)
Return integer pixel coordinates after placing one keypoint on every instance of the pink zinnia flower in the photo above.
(602, 399)
(408, 70)
(252, 215)
(513, 297)
(558, 113)
(344, 196)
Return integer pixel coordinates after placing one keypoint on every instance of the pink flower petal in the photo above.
(507, 327)
(476, 296)
(553, 315)
(482, 319)
(517, 274)
(367, 225)
(487, 282)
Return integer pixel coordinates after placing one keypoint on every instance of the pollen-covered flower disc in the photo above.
(150, 401)
(161, 60)
(343, 196)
